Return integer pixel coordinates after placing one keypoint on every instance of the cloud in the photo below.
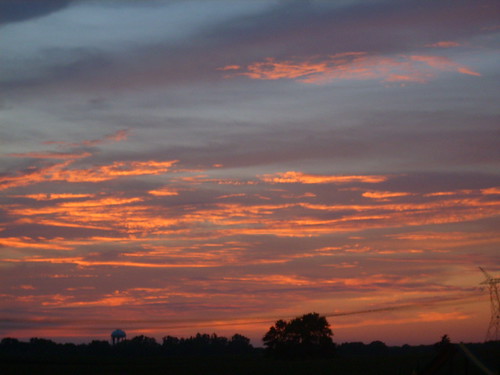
(63, 172)
(92, 62)
(93, 263)
(23, 10)
(165, 191)
(446, 240)
(51, 155)
(52, 196)
(146, 28)
(29, 243)
(292, 177)
(444, 64)
(229, 67)
(382, 195)
(294, 213)
(117, 136)
(491, 191)
(443, 44)
(355, 66)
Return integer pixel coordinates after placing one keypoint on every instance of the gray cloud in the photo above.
(288, 30)
(23, 10)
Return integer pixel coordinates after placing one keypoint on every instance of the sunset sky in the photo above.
(174, 167)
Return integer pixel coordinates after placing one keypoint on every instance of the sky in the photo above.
(174, 167)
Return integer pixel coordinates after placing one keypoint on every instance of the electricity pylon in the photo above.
(493, 329)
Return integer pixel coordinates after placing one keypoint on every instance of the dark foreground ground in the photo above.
(350, 359)
(380, 364)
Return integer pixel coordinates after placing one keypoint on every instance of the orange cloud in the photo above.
(445, 236)
(491, 191)
(136, 215)
(62, 172)
(435, 316)
(354, 66)
(101, 202)
(30, 243)
(279, 279)
(444, 193)
(119, 135)
(51, 196)
(114, 170)
(439, 241)
(229, 67)
(292, 177)
(420, 318)
(164, 192)
(271, 69)
(273, 279)
(231, 196)
(93, 263)
(355, 217)
(383, 195)
(26, 287)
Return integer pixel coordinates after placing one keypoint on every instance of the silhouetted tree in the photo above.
(444, 344)
(171, 345)
(9, 341)
(356, 348)
(144, 341)
(42, 346)
(205, 344)
(308, 336)
(98, 347)
(377, 348)
(13, 346)
(139, 345)
(239, 344)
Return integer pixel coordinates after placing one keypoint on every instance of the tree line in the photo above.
(138, 346)
(306, 337)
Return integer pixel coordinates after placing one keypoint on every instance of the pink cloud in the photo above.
(229, 67)
(443, 44)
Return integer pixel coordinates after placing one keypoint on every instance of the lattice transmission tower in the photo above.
(494, 328)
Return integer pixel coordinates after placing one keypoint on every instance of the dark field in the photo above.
(404, 362)
(219, 366)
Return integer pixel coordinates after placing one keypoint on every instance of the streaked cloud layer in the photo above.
(174, 167)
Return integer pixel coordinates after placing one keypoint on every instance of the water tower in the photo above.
(118, 335)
